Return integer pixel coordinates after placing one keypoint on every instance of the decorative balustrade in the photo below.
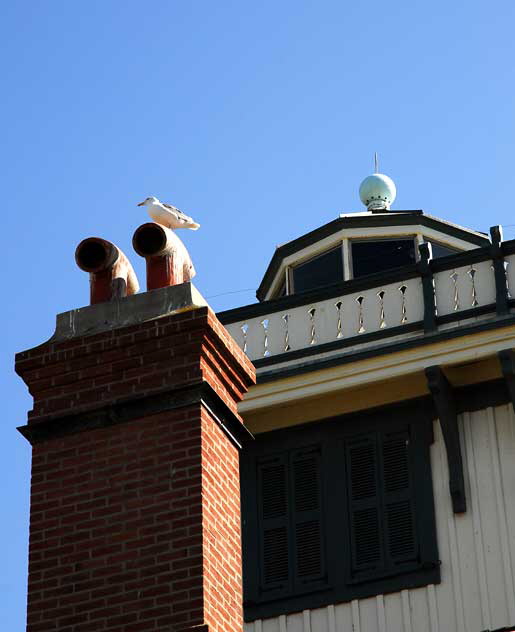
(464, 287)
(399, 302)
(335, 318)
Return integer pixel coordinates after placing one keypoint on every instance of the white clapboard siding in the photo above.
(477, 549)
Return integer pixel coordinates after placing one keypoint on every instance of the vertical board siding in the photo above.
(501, 514)
(393, 612)
(433, 608)
(465, 571)
(368, 614)
(381, 619)
(419, 610)
(505, 428)
(477, 549)
(331, 619)
(406, 612)
(356, 625)
(473, 496)
(490, 527)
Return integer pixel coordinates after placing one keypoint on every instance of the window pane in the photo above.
(439, 250)
(369, 257)
(320, 271)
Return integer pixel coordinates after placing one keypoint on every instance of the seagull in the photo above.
(167, 215)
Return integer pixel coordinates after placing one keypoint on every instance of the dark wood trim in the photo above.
(507, 362)
(464, 314)
(428, 289)
(443, 399)
(130, 409)
(501, 284)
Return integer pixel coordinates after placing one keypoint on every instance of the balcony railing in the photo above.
(411, 300)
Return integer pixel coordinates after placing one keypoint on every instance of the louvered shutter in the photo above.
(308, 536)
(381, 505)
(401, 541)
(364, 505)
(275, 574)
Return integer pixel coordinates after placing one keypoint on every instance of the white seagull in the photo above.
(167, 215)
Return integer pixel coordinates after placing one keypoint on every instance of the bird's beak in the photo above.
(141, 204)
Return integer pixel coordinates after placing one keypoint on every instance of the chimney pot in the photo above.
(168, 261)
(110, 272)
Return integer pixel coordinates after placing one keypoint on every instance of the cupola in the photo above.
(362, 243)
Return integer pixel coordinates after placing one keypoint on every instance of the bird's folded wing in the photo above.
(178, 214)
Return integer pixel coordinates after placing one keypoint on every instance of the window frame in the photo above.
(340, 585)
(453, 250)
(291, 268)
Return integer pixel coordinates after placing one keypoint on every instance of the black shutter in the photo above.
(401, 541)
(308, 545)
(272, 476)
(364, 505)
(381, 505)
(290, 516)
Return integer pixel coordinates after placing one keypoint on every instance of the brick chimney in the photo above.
(135, 506)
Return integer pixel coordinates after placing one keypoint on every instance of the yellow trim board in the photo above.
(373, 382)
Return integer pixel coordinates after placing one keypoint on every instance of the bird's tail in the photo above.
(194, 226)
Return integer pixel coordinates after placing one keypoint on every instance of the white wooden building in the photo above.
(379, 495)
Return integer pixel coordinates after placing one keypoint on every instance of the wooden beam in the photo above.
(501, 288)
(443, 398)
(507, 362)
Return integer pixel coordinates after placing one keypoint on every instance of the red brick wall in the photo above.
(222, 534)
(136, 526)
(169, 352)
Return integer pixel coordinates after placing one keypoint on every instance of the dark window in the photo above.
(369, 257)
(439, 250)
(322, 270)
(338, 510)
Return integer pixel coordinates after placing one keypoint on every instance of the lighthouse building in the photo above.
(336, 457)
(379, 493)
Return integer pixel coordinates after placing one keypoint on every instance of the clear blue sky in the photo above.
(258, 118)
